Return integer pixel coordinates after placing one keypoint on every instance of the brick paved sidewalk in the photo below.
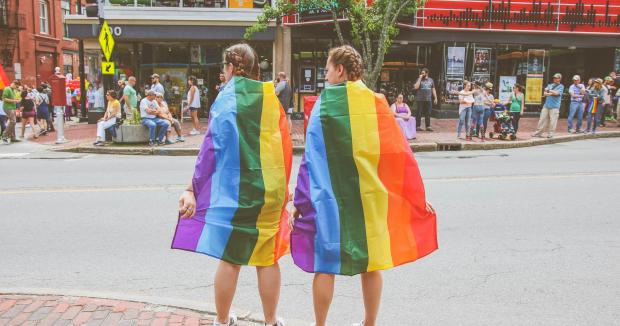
(66, 310)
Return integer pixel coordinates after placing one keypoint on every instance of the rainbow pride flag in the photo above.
(241, 179)
(359, 189)
(593, 105)
(4, 80)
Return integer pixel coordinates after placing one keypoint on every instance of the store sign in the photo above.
(595, 16)
(506, 83)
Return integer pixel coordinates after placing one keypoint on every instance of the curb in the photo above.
(416, 147)
(198, 306)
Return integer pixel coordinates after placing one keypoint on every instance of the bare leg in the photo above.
(226, 278)
(269, 290)
(195, 120)
(372, 284)
(322, 295)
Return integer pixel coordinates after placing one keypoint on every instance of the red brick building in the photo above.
(33, 39)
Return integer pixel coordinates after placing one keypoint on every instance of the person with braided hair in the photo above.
(235, 207)
(359, 204)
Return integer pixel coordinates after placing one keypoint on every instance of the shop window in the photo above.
(205, 3)
(67, 63)
(43, 17)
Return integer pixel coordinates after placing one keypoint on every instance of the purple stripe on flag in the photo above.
(302, 237)
(189, 230)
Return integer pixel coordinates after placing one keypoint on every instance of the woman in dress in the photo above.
(109, 117)
(234, 209)
(402, 113)
(466, 100)
(353, 212)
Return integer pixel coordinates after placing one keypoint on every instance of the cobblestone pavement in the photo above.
(66, 310)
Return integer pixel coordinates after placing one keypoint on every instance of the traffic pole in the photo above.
(60, 124)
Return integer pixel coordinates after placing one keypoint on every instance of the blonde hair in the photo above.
(349, 58)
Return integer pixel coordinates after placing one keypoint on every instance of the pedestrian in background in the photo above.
(68, 105)
(166, 115)
(611, 92)
(99, 103)
(425, 97)
(9, 105)
(111, 115)
(551, 109)
(157, 87)
(210, 222)
(466, 100)
(576, 91)
(477, 112)
(27, 107)
(402, 113)
(193, 104)
(90, 97)
(489, 105)
(149, 112)
(516, 106)
(3, 117)
(43, 113)
(284, 92)
(597, 99)
(130, 97)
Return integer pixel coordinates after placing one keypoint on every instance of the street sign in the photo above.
(107, 68)
(106, 40)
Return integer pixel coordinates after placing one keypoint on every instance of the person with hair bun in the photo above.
(193, 104)
(359, 203)
(235, 208)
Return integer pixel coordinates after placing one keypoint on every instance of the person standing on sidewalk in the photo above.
(466, 100)
(43, 112)
(285, 96)
(477, 112)
(9, 99)
(595, 109)
(130, 97)
(3, 116)
(109, 118)
(489, 104)
(243, 222)
(577, 91)
(516, 106)
(608, 107)
(99, 103)
(157, 86)
(90, 97)
(425, 97)
(29, 114)
(353, 214)
(193, 104)
(551, 109)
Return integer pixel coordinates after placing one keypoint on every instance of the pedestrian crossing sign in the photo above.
(106, 41)
(107, 68)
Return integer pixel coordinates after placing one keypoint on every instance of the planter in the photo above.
(126, 134)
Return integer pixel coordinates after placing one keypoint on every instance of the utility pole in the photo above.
(82, 72)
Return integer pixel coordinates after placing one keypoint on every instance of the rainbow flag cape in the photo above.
(241, 179)
(4, 80)
(359, 189)
(593, 105)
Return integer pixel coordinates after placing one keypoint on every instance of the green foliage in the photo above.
(373, 28)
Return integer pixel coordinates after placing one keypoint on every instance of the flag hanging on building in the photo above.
(241, 179)
(359, 189)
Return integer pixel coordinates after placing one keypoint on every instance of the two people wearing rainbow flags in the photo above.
(359, 204)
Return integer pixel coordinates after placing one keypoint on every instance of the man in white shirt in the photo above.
(157, 87)
(149, 110)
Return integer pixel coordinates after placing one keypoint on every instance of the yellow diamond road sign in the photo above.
(106, 40)
(107, 68)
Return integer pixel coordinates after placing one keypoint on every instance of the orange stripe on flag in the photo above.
(4, 80)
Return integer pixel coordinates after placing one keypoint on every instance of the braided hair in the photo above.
(245, 60)
(350, 59)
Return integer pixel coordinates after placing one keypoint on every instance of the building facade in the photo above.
(174, 39)
(34, 39)
(499, 41)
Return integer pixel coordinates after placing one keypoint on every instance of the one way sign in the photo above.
(107, 68)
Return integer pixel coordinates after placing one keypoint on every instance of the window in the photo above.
(43, 17)
(65, 7)
(3, 14)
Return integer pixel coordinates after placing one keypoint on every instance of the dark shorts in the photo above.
(29, 114)
(191, 109)
(43, 114)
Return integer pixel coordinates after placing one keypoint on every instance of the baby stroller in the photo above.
(502, 126)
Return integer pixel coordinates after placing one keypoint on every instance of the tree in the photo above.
(373, 27)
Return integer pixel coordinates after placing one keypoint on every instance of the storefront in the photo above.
(478, 41)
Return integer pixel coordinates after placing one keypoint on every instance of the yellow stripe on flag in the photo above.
(274, 178)
(367, 151)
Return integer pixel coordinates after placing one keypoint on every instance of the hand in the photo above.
(292, 217)
(430, 208)
(435, 101)
(187, 204)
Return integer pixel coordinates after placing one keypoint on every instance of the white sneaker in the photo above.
(194, 132)
(358, 324)
(279, 322)
(232, 321)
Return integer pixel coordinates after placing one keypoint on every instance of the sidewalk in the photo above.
(67, 310)
(81, 137)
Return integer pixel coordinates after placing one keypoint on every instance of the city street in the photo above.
(526, 237)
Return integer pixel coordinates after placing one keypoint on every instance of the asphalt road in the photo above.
(527, 236)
